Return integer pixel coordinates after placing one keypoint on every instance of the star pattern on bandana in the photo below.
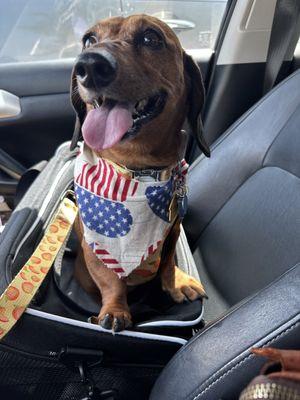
(108, 218)
(159, 198)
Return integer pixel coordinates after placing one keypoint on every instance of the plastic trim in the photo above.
(87, 325)
(174, 323)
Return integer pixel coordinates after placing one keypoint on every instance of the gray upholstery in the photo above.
(217, 364)
(255, 236)
(244, 213)
(244, 227)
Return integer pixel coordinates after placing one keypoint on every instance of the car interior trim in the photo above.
(174, 323)
(247, 41)
(88, 325)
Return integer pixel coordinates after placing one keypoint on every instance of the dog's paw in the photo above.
(182, 287)
(115, 318)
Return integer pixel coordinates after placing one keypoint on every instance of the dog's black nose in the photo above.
(96, 69)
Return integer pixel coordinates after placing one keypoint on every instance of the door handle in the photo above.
(9, 105)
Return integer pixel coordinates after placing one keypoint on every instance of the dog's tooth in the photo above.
(141, 104)
(96, 104)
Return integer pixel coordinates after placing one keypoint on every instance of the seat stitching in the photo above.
(261, 168)
(241, 362)
(232, 310)
(241, 184)
(281, 169)
(277, 136)
(230, 131)
(240, 120)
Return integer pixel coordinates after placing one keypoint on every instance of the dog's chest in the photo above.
(125, 220)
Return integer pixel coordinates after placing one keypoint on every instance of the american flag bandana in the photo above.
(125, 220)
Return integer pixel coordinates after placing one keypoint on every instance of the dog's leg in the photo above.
(114, 313)
(82, 275)
(177, 283)
(81, 272)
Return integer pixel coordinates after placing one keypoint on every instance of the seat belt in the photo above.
(284, 34)
(11, 166)
(27, 179)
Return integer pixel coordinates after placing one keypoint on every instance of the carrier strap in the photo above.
(20, 292)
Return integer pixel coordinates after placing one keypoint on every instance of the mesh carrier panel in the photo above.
(26, 377)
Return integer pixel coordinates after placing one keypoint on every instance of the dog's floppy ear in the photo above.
(80, 110)
(195, 99)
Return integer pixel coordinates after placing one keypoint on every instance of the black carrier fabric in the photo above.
(42, 356)
(33, 378)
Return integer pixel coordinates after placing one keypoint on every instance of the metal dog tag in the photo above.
(182, 206)
(181, 197)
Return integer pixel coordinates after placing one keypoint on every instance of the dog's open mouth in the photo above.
(112, 121)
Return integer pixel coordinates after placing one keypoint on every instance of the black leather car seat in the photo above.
(244, 228)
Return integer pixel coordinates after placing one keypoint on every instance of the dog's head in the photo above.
(134, 81)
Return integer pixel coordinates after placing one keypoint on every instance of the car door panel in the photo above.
(45, 122)
(46, 119)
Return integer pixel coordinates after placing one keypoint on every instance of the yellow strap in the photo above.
(18, 295)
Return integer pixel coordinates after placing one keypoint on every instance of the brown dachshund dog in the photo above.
(135, 65)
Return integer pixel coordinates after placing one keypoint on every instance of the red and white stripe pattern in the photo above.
(103, 180)
(182, 167)
(112, 263)
(151, 250)
(108, 260)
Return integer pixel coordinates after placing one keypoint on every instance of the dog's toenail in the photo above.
(106, 322)
(128, 323)
(118, 325)
(93, 320)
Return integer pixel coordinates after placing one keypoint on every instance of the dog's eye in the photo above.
(152, 39)
(89, 41)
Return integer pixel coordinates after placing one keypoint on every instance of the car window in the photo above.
(51, 29)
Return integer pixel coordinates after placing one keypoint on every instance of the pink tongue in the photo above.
(104, 127)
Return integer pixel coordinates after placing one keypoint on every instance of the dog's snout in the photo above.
(96, 69)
